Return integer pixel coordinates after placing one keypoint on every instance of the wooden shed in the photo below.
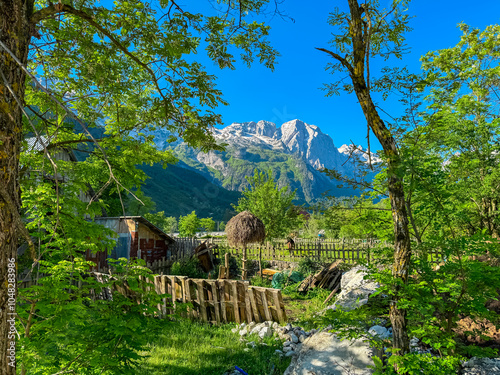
(137, 238)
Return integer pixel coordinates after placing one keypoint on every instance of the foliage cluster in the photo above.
(188, 267)
(166, 224)
(63, 324)
(270, 203)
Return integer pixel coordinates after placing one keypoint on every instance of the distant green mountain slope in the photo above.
(178, 190)
(229, 169)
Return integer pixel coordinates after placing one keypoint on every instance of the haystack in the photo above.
(243, 229)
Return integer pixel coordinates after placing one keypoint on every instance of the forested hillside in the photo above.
(177, 191)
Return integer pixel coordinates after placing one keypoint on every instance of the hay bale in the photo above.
(242, 229)
(245, 228)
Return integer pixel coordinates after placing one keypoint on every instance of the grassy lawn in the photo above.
(186, 347)
(300, 308)
(191, 347)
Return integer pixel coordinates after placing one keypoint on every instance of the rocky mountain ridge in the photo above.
(295, 151)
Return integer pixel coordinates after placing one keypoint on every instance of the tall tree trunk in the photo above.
(15, 34)
(402, 247)
(357, 67)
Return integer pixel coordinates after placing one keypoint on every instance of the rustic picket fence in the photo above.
(326, 250)
(221, 301)
(215, 301)
(349, 250)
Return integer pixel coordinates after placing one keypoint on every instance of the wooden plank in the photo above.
(253, 302)
(222, 299)
(161, 290)
(215, 295)
(234, 295)
(331, 294)
(265, 304)
(172, 290)
(194, 312)
(282, 306)
(184, 295)
(222, 272)
(248, 305)
(201, 300)
(277, 305)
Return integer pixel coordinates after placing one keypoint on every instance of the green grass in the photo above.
(186, 347)
(301, 309)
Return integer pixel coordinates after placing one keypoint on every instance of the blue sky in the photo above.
(293, 89)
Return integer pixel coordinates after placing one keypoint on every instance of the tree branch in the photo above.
(73, 116)
(341, 59)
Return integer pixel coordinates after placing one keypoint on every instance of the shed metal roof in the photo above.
(142, 220)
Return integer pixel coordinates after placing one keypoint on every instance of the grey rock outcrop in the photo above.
(354, 290)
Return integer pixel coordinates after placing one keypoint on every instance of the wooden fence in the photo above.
(215, 301)
(349, 250)
(220, 301)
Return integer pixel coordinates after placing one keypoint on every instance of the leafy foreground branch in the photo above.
(438, 300)
(65, 327)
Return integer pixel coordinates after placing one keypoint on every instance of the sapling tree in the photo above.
(271, 203)
(189, 225)
(457, 175)
(208, 224)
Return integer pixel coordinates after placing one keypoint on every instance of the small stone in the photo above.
(293, 338)
(293, 346)
(243, 332)
(243, 325)
(287, 349)
(275, 325)
(290, 353)
(279, 352)
(287, 343)
(265, 332)
(302, 338)
(378, 331)
(256, 330)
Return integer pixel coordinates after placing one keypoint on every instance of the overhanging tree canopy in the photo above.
(102, 77)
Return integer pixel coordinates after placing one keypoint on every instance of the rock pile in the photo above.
(324, 354)
(293, 336)
(481, 366)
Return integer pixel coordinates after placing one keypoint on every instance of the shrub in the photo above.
(307, 266)
(188, 267)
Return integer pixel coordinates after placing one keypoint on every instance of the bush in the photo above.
(285, 278)
(188, 267)
(307, 266)
(261, 281)
(435, 299)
